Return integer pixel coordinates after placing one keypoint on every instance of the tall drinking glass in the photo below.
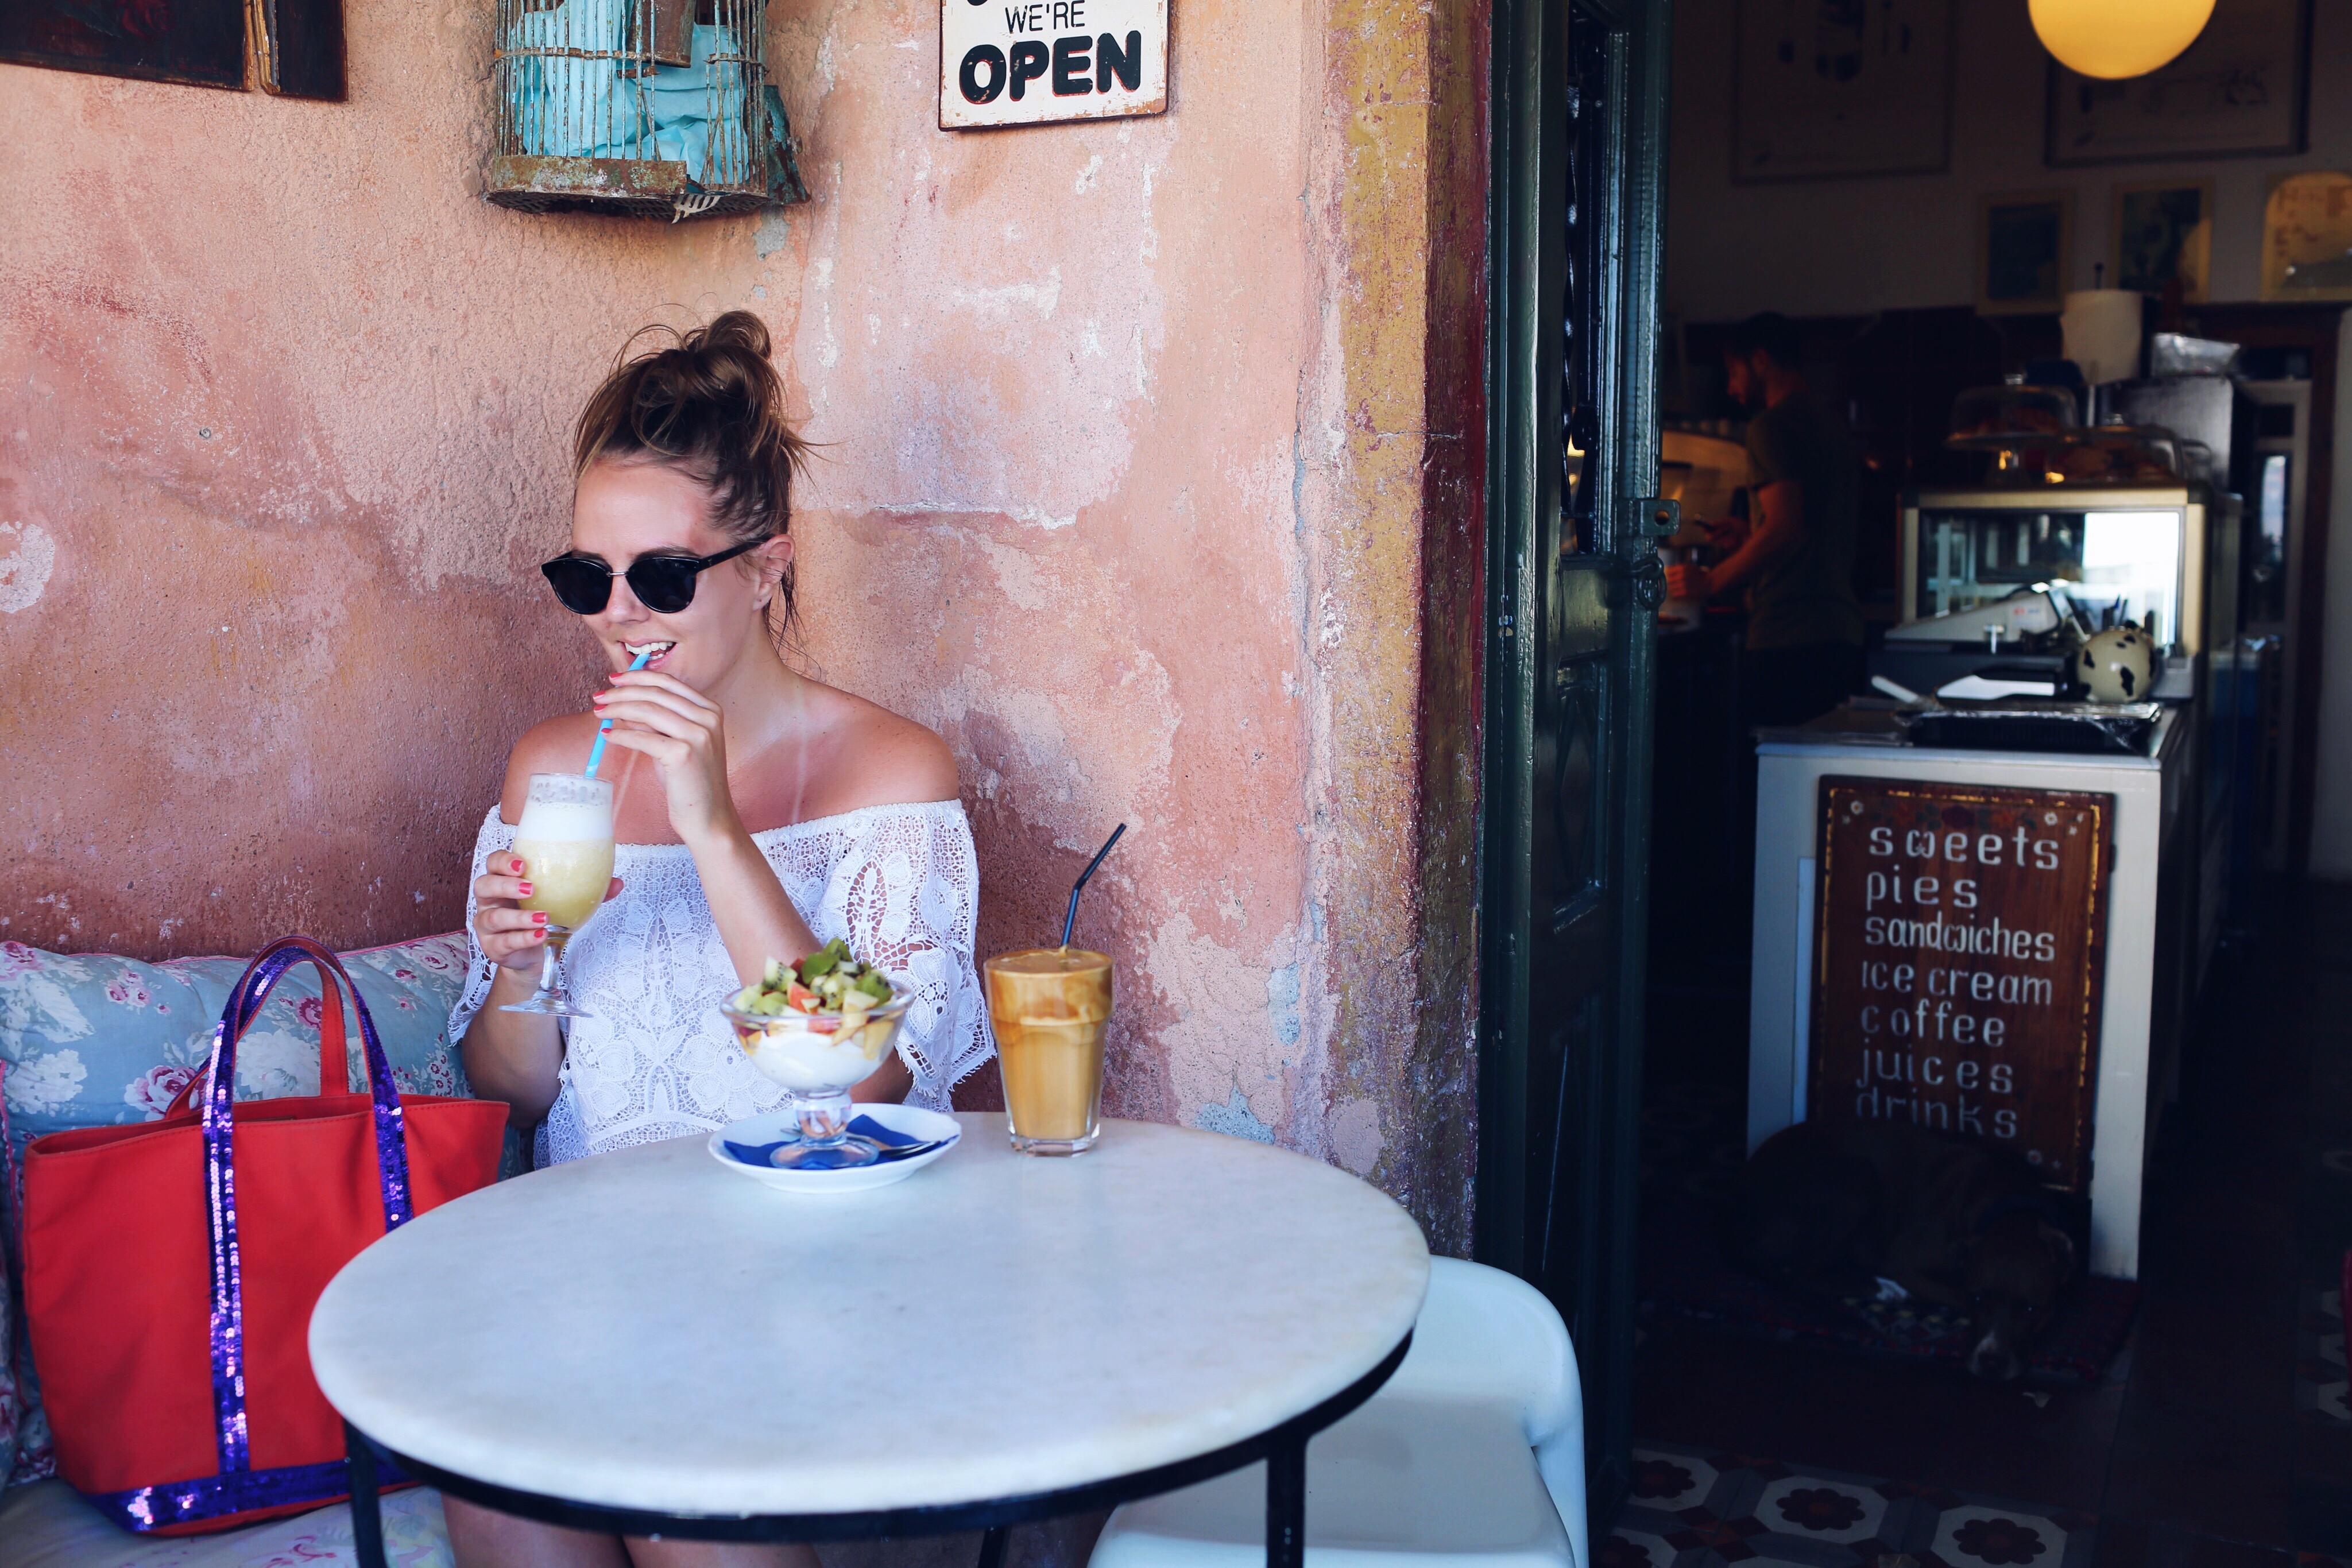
(1051, 1007)
(565, 840)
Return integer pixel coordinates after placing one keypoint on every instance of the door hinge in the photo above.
(1640, 582)
(1660, 516)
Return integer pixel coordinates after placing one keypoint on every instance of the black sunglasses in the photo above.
(663, 583)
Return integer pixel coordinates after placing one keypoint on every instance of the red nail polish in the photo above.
(524, 889)
(539, 916)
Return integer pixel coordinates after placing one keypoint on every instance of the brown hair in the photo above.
(711, 405)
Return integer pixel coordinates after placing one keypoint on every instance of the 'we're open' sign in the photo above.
(1028, 62)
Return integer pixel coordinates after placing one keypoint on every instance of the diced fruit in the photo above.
(827, 981)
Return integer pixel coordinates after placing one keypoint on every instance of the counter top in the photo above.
(1874, 730)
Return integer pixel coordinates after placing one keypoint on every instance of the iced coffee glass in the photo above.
(565, 840)
(1051, 1007)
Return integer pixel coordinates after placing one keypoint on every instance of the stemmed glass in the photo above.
(565, 840)
(818, 1061)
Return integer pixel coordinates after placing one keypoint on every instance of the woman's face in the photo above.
(622, 510)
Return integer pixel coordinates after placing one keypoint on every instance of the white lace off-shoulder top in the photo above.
(899, 884)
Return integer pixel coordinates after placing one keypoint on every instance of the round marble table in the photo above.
(645, 1343)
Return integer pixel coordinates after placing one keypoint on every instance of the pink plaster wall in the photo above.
(282, 406)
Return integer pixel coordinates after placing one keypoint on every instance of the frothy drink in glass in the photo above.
(565, 840)
(1051, 1007)
(567, 848)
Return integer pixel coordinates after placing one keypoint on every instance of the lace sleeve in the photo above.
(905, 898)
(480, 971)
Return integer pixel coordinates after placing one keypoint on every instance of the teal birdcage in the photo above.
(652, 108)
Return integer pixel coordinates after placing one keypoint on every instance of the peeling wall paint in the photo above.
(1150, 449)
(32, 556)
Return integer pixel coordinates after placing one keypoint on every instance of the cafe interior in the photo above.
(1554, 782)
(2186, 1427)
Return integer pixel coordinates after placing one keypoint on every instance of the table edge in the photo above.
(918, 1519)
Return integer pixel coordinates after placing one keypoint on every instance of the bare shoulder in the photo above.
(555, 746)
(885, 760)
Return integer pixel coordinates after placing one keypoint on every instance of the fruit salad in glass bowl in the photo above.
(820, 1025)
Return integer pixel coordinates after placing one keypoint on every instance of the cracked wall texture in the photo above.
(1151, 479)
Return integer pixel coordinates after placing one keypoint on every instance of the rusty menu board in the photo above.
(1959, 946)
(1031, 62)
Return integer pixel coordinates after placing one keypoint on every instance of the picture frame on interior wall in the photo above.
(2241, 90)
(2025, 252)
(2307, 237)
(1824, 89)
(2159, 231)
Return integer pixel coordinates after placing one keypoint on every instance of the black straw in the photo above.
(1079, 886)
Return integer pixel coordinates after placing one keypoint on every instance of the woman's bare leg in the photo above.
(484, 1538)
(717, 1554)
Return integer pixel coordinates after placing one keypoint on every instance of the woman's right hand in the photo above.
(512, 937)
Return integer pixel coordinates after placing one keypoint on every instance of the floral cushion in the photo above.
(12, 1407)
(92, 1040)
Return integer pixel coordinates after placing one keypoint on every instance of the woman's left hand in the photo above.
(684, 733)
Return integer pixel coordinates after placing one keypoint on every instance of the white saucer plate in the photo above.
(911, 1120)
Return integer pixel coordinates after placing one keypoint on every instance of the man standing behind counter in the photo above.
(1804, 625)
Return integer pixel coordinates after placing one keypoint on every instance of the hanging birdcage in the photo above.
(657, 108)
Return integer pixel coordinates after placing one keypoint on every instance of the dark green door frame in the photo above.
(1574, 582)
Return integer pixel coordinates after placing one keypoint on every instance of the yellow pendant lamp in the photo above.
(2118, 38)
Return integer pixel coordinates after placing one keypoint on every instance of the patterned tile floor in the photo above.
(1695, 1509)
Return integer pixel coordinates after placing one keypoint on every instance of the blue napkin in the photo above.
(893, 1144)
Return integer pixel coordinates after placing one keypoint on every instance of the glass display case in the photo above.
(2013, 409)
(2122, 555)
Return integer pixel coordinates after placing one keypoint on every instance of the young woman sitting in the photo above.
(758, 815)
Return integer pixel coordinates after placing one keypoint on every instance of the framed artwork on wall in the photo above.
(2162, 231)
(295, 47)
(2240, 90)
(2307, 237)
(200, 43)
(2025, 247)
(1829, 89)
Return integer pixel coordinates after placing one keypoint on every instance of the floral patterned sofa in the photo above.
(91, 1040)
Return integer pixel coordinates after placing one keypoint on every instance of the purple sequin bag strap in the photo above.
(245, 1002)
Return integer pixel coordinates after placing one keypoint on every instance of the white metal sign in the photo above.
(1028, 62)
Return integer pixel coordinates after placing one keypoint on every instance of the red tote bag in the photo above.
(171, 1268)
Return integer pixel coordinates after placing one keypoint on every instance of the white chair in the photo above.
(1471, 1457)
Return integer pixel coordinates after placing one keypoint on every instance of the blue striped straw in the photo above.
(596, 752)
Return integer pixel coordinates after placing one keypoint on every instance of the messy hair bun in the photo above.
(709, 402)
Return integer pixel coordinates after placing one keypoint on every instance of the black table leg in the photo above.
(1286, 1502)
(992, 1546)
(367, 1508)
